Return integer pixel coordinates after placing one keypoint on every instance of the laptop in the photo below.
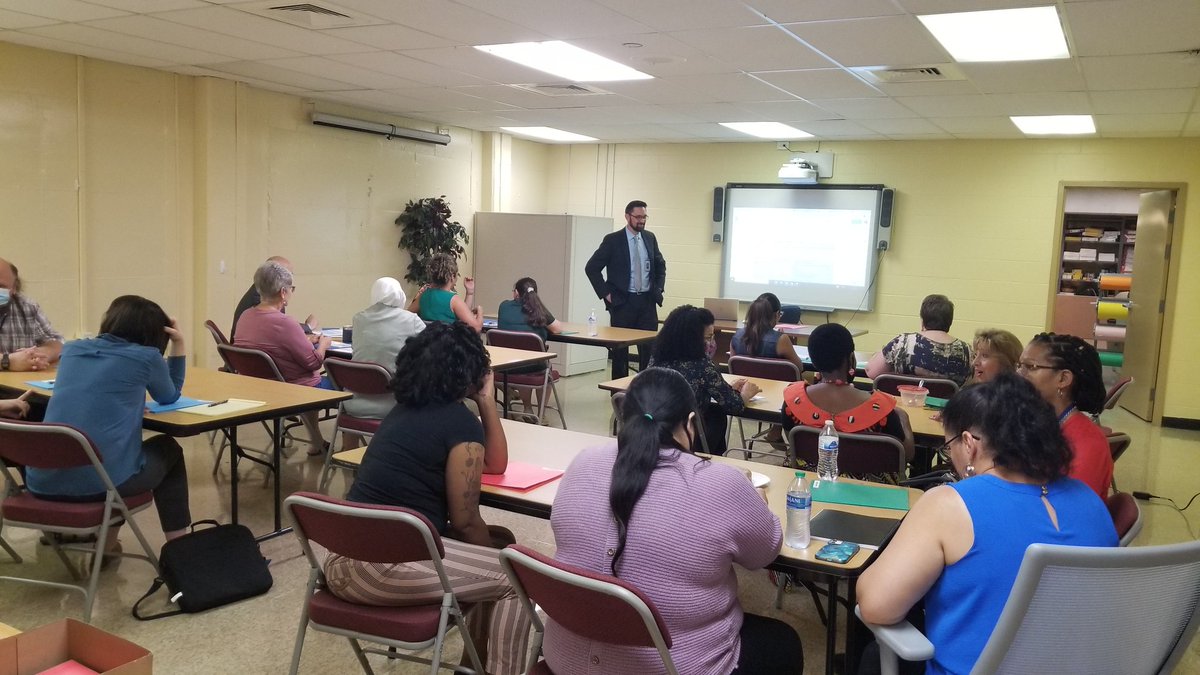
(723, 309)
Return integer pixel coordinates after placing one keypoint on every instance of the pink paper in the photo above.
(789, 326)
(520, 476)
(71, 667)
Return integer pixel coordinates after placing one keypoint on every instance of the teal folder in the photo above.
(935, 402)
(179, 404)
(856, 494)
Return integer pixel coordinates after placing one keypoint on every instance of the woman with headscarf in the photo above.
(380, 332)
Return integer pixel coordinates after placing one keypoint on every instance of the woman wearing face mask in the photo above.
(961, 545)
(686, 344)
(620, 510)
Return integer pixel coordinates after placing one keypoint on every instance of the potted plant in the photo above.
(426, 230)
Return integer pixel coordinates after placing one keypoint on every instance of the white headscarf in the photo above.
(388, 291)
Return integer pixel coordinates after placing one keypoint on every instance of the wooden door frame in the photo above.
(1171, 290)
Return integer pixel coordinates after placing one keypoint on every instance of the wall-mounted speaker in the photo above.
(886, 203)
(718, 214)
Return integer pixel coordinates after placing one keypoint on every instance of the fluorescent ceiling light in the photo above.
(1027, 34)
(772, 130)
(1047, 125)
(549, 134)
(564, 60)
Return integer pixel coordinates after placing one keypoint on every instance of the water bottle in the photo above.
(827, 449)
(592, 324)
(799, 508)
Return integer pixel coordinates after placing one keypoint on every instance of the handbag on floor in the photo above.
(209, 567)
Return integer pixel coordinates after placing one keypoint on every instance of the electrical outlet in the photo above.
(782, 145)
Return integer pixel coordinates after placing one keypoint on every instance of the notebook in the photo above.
(522, 477)
(857, 494)
(866, 531)
(41, 384)
(224, 407)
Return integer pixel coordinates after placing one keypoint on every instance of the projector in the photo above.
(798, 172)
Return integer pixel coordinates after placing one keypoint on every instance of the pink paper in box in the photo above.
(522, 477)
(71, 667)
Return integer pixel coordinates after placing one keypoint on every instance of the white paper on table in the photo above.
(231, 406)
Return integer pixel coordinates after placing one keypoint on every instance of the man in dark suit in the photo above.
(637, 274)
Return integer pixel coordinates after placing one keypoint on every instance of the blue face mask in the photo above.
(4, 294)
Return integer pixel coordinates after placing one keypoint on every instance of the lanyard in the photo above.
(1065, 414)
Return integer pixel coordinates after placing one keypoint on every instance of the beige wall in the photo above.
(974, 219)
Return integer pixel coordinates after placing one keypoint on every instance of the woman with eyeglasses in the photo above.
(961, 545)
(759, 337)
(686, 344)
(1065, 370)
(647, 510)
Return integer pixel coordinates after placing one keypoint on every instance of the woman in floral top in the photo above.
(933, 352)
(686, 344)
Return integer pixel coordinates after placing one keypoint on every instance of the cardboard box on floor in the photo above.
(36, 650)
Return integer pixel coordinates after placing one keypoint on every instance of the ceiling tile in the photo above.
(62, 10)
(919, 137)
(342, 72)
(161, 51)
(232, 48)
(952, 106)
(902, 126)
(660, 54)
(836, 129)
(732, 87)
(885, 41)
(670, 15)
(389, 36)
(938, 88)
(713, 112)
(148, 6)
(15, 20)
(864, 108)
(385, 101)
(716, 132)
(785, 11)
(824, 83)
(1024, 76)
(70, 47)
(633, 132)
(1140, 125)
(788, 111)
(201, 71)
(563, 19)
(409, 68)
(1116, 27)
(1151, 71)
(522, 98)
(977, 125)
(438, 98)
(1144, 101)
(460, 24)
(472, 120)
(659, 91)
(480, 64)
(283, 76)
(944, 6)
(754, 48)
(1043, 103)
(228, 21)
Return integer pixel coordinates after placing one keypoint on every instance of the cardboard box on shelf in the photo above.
(48, 646)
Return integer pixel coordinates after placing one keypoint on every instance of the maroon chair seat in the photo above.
(541, 381)
(361, 378)
(407, 624)
(364, 425)
(30, 510)
(532, 379)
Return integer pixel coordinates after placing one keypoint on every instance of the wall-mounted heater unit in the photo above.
(388, 130)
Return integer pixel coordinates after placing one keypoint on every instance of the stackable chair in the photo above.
(1126, 515)
(1111, 398)
(377, 534)
(889, 383)
(857, 453)
(219, 338)
(254, 363)
(59, 446)
(1078, 609)
(361, 378)
(575, 598)
(616, 401)
(764, 368)
(1118, 443)
(542, 383)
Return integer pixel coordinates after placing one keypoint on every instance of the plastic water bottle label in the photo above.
(801, 502)
(829, 444)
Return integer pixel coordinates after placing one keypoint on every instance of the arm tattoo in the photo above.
(473, 474)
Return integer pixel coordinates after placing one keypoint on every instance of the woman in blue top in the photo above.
(759, 338)
(960, 547)
(100, 389)
(437, 300)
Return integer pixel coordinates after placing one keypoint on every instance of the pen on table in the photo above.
(213, 405)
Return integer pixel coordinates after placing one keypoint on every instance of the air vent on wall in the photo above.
(571, 89)
(931, 73)
(314, 15)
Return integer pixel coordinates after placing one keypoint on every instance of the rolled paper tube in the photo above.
(1115, 282)
(1110, 333)
(1113, 359)
(1112, 311)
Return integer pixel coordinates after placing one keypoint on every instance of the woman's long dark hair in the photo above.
(760, 319)
(656, 403)
(536, 314)
(682, 335)
(1078, 356)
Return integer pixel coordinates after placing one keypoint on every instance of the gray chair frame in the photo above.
(1071, 605)
(513, 338)
(511, 557)
(769, 368)
(407, 524)
(116, 512)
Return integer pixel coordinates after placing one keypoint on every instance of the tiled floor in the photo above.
(256, 636)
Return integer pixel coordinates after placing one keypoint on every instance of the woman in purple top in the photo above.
(961, 545)
(629, 509)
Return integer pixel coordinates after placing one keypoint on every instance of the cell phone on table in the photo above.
(837, 551)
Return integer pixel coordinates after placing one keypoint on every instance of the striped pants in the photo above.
(476, 577)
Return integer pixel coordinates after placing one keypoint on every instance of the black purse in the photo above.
(208, 568)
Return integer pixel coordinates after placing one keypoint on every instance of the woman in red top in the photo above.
(1066, 372)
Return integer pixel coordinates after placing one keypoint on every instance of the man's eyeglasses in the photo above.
(1030, 366)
